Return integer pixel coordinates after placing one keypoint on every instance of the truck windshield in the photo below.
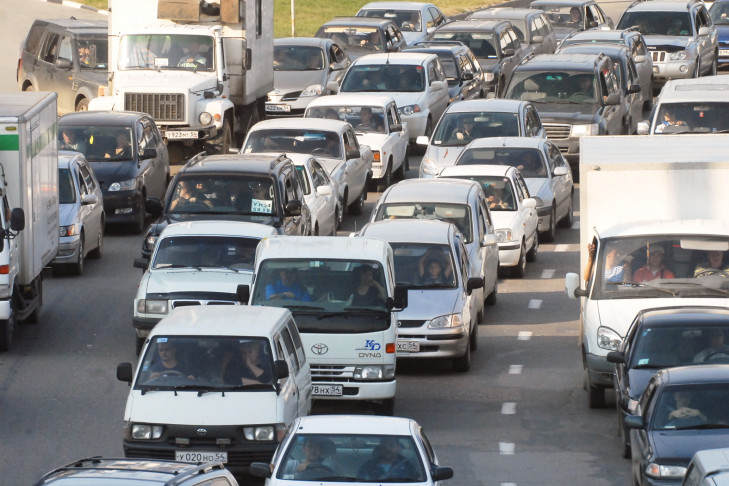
(663, 266)
(223, 194)
(458, 214)
(201, 251)
(694, 117)
(318, 290)
(166, 52)
(294, 140)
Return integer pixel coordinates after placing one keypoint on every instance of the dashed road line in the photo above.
(548, 272)
(506, 448)
(535, 303)
(561, 247)
(508, 408)
(515, 369)
(524, 335)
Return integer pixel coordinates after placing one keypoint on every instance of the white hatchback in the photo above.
(321, 195)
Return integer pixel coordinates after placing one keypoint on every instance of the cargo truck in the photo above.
(28, 185)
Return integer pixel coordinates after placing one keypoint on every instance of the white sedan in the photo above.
(320, 195)
(512, 210)
(353, 449)
(377, 124)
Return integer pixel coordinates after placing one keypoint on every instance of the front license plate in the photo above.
(285, 108)
(724, 52)
(404, 345)
(201, 456)
(182, 134)
(327, 390)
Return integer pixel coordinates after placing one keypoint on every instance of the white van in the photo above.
(216, 383)
(349, 340)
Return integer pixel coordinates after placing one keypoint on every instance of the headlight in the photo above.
(70, 230)
(608, 339)
(452, 320)
(488, 77)
(265, 433)
(146, 431)
(661, 471)
(151, 241)
(678, 56)
(429, 167)
(205, 118)
(374, 372)
(128, 185)
(582, 130)
(503, 235)
(313, 90)
(145, 306)
(409, 109)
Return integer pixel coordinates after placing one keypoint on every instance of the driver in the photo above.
(167, 364)
(714, 264)
(716, 347)
(312, 466)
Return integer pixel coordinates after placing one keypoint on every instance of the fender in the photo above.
(103, 103)
(217, 106)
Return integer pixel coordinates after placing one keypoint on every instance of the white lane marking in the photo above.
(535, 303)
(548, 272)
(575, 225)
(515, 369)
(507, 484)
(561, 247)
(506, 448)
(508, 408)
(524, 335)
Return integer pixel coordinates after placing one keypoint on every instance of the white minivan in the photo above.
(216, 383)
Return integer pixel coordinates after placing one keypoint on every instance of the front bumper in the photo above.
(68, 248)
(417, 123)
(663, 71)
(543, 214)
(123, 206)
(600, 372)
(509, 253)
(443, 343)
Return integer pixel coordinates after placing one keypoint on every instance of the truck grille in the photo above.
(331, 373)
(557, 132)
(658, 56)
(186, 303)
(163, 107)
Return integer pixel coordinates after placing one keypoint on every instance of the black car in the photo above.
(260, 188)
(681, 411)
(68, 56)
(466, 79)
(531, 25)
(128, 156)
(663, 338)
(363, 35)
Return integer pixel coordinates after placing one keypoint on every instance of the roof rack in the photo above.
(438, 43)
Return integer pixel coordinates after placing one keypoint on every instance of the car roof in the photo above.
(219, 228)
(283, 247)
(258, 164)
(397, 5)
(566, 3)
(109, 118)
(65, 157)
(361, 21)
(476, 170)
(588, 35)
(610, 50)
(707, 88)
(228, 320)
(524, 142)
(75, 25)
(301, 41)
(561, 61)
(454, 47)
(395, 58)
(352, 100)
(476, 25)
(305, 123)
(695, 374)
(354, 424)
(661, 6)
(455, 191)
(494, 104)
(675, 227)
(410, 230)
(504, 13)
(692, 316)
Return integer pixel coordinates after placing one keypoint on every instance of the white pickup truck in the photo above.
(333, 142)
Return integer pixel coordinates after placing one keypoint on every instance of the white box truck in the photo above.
(29, 185)
(643, 196)
(201, 69)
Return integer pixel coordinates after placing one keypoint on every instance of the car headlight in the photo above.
(70, 230)
(678, 56)
(265, 433)
(429, 167)
(205, 118)
(488, 77)
(146, 431)
(151, 241)
(128, 185)
(452, 320)
(503, 235)
(583, 130)
(145, 306)
(313, 90)
(608, 339)
(663, 471)
(408, 109)
(374, 372)
(376, 156)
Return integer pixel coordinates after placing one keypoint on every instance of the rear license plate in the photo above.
(201, 456)
(285, 108)
(408, 346)
(724, 52)
(182, 134)
(327, 390)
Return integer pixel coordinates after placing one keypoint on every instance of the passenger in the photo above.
(531, 165)
(585, 87)
(123, 149)
(713, 265)
(167, 364)
(84, 55)
(332, 114)
(432, 270)
(716, 347)
(368, 121)
(248, 366)
(575, 16)
(617, 269)
(187, 194)
(465, 131)
(669, 120)
(654, 267)
(193, 59)
(70, 141)
(368, 292)
(388, 462)
(685, 413)
(312, 467)
(287, 287)
(372, 42)
(493, 198)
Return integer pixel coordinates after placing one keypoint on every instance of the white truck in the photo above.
(201, 69)
(29, 185)
(641, 195)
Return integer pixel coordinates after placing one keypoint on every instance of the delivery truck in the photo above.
(642, 195)
(28, 185)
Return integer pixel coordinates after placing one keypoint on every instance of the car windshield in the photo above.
(657, 23)
(719, 13)
(577, 87)
(682, 266)
(569, 16)
(66, 187)
(298, 58)
(406, 20)
(499, 191)
(693, 117)
(529, 161)
(364, 119)
(197, 251)
(419, 265)
(696, 406)
(294, 140)
(166, 52)
(93, 52)
(98, 143)
(354, 37)
(385, 78)
(206, 363)
(483, 44)
(223, 194)
(664, 346)
(458, 214)
(351, 458)
(452, 128)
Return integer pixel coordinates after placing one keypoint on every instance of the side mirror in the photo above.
(154, 206)
(466, 76)
(592, 24)
(612, 99)
(141, 263)
(280, 369)
(560, 171)
(437, 85)
(249, 59)
(508, 52)
(400, 300)
(89, 199)
(529, 203)
(17, 219)
(149, 153)
(353, 154)
(643, 128)
(396, 127)
(633, 422)
(333, 87)
(617, 357)
(633, 88)
(704, 31)
(639, 59)
(260, 470)
(422, 140)
(124, 372)
(64, 64)
(473, 283)
(293, 208)
(572, 286)
(489, 240)
(336, 66)
(537, 39)
(324, 190)
(243, 293)
(441, 473)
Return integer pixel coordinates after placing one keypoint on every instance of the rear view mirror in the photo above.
(141, 263)
(400, 299)
(467, 76)
(396, 127)
(473, 283)
(124, 372)
(293, 208)
(509, 52)
(149, 153)
(634, 88)
(280, 369)
(154, 206)
(617, 357)
(353, 154)
(612, 99)
(64, 64)
(537, 39)
(17, 219)
(243, 293)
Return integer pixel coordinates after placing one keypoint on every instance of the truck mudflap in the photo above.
(27, 300)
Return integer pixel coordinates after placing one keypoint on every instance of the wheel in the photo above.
(595, 396)
(222, 143)
(386, 407)
(7, 327)
(399, 174)
(337, 219)
(712, 71)
(34, 316)
(406, 162)
(569, 218)
(355, 208)
(697, 71)
(82, 105)
(97, 252)
(551, 233)
(464, 362)
(491, 298)
(316, 229)
(386, 180)
(624, 437)
(78, 267)
(519, 270)
(138, 225)
(531, 255)
(473, 340)
(30, 87)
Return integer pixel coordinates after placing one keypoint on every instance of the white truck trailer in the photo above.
(639, 193)
(29, 185)
(201, 69)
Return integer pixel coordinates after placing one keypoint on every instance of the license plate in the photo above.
(201, 456)
(724, 52)
(408, 346)
(285, 108)
(182, 134)
(327, 390)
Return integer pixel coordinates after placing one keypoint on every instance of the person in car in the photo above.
(189, 194)
(464, 130)
(669, 120)
(716, 347)
(388, 462)
(432, 270)
(312, 466)
(247, 366)
(575, 16)
(287, 287)
(368, 290)
(167, 363)
(123, 149)
(713, 265)
(71, 142)
(412, 24)
(368, 121)
(654, 267)
(685, 414)
(617, 267)
(193, 59)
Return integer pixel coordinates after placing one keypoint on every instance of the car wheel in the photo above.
(595, 396)
(624, 437)
(463, 363)
(82, 105)
(78, 267)
(97, 252)
(355, 208)
(569, 218)
(30, 87)
(697, 71)
(531, 256)
(491, 298)
(386, 180)
(337, 219)
(519, 270)
(712, 71)
(386, 407)
(551, 233)
(7, 327)
(316, 229)
(473, 340)
(138, 225)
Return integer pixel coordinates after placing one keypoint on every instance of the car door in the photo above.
(532, 123)
(292, 225)
(706, 43)
(325, 204)
(357, 167)
(529, 215)
(400, 138)
(46, 68)
(436, 101)
(339, 59)
(469, 87)
(561, 185)
(93, 214)
(644, 67)
(509, 42)
(288, 394)
(484, 257)
(297, 369)
(598, 16)
(613, 115)
(460, 252)
(635, 100)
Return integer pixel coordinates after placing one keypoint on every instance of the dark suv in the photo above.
(101, 471)
(68, 56)
(261, 188)
(359, 36)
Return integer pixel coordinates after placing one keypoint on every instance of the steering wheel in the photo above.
(171, 373)
(718, 356)
(315, 471)
(711, 271)
(319, 151)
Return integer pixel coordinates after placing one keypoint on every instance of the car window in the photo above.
(338, 54)
(514, 43)
(298, 345)
(65, 50)
(555, 158)
(610, 79)
(533, 123)
(428, 18)
(534, 28)
(50, 48)
(596, 14)
(392, 116)
(521, 184)
(86, 175)
(34, 39)
(290, 350)
(319, 176)
(545, 28)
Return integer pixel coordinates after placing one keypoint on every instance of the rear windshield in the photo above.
(384, 78)
(458, 214)
(483, 44)
(657, 23)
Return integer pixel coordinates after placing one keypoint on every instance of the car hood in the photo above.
(373, 140)
(427, 304)
(169, 80)
(444, 155)
(286, 81)
(109, 172)
(723, 32)
(539, 187)
(682, 444)
(404, 99)
(504, 219)
(192, 280)
(330, 164)
(413, 37)
(638, 380)
(567, 113)
(67, 214)
(94, 76)
(666, 40)
(562, 32)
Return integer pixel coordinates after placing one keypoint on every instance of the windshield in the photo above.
(689, 343)
(662, 266)
(66, 189)
(364, 119)
(563, 16)
(499, 191)
(294, 140)
(298, 58)
(354, 38)
(719, 13)
(93, 52)
(693, 117)
(419, 265)
(529, 161)
(458, 129)
(221, 194)
(458, 214)
(482, 44)
(385, 78)
(352, 458)
(208, 362)
(205, 252)
(406, 20)
(699, 406)
(316, 290)
(657, 23)
(166, 52)
(576, 87)
(98, 143)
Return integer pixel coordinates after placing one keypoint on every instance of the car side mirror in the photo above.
(441, 473)
(353, 154)
(324, 191)
(87, 199)
(64, 64)
(293, 208)
(612, 99)
(17, 219)
(508, 52)
(333, 87)
(639, 59)
(560, 171)
(473, 283)
(396, 127)
(336, 66)
(249, 59)
(489, 240)
(243, 293)
(633, 88)
(400, 299)
(617, 357)
(704, 31)
(124, 372)
(422, 140)
(280, 369)
(643, 128)
(529, 203)
(149, 153)
(437, 85)
(466, 76)
(633, 422)
(154, 206)
(572, 286)
(537, 39)
(260, 470)
(141, 263)
(592, 24)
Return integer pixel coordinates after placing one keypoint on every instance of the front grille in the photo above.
(294, 95)
(557, 132)
(187, 303)
(163, 107)
(658, 56)
(331, 373)
(410, 323)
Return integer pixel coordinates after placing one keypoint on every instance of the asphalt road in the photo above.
(519, 417)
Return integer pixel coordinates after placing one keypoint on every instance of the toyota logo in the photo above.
(319, 349)
(202, 432)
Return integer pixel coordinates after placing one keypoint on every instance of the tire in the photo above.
(138, 225)
(697, 71)
(82, 105)
(623, 436)
(569, 218)
(34, 316)
(338, 215)
(491, 298)
(78, 267)
(549, 235)
(463, 363)
(316, 229)
(386, 180)
(99, 250)
(713, 70)
(355, 208)
(473, 340)
(7, 327)
(386, 407)
(595, 396)
(531, 255)
(400, 172)
(30, 87)
(519, 270)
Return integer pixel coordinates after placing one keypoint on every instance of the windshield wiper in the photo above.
(252, 386)
(431, 286)
(173, 265)
(702, 426)
(300, 308)
(201, 389)
(348, 311)
(651, 366)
